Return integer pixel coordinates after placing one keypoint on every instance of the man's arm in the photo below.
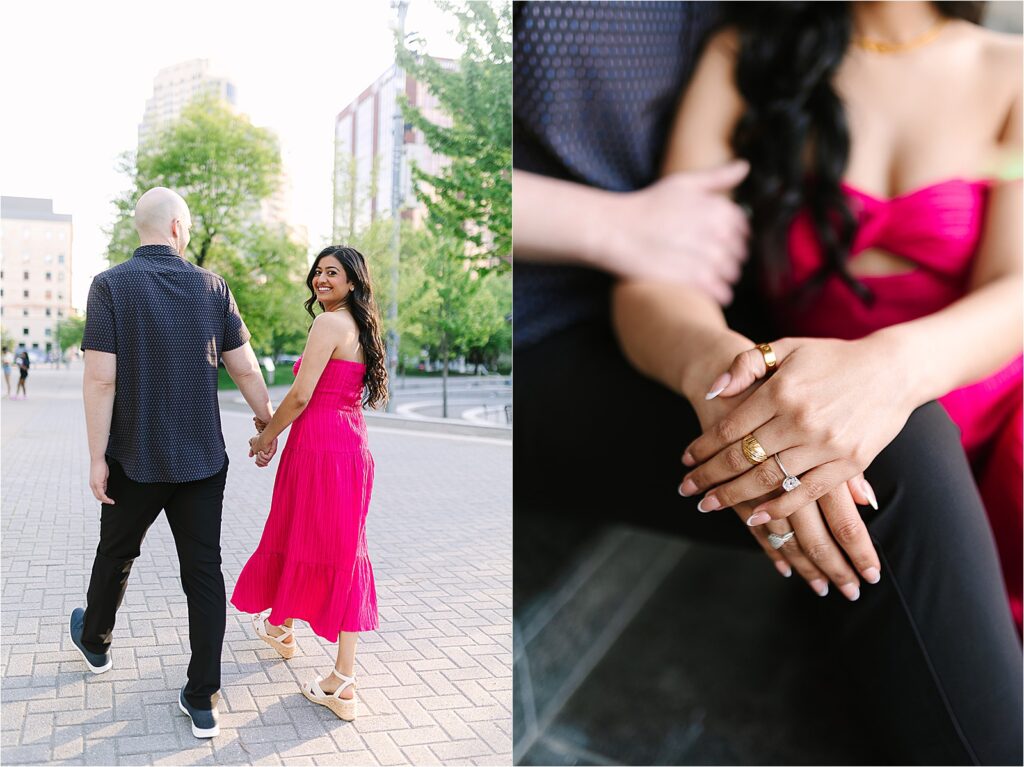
(98, 395)
(244, 369)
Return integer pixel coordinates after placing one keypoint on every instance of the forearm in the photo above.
(254, 390)
(962, 343)
(291, 407)
(99, 409)
(560, 221)
(674, 334)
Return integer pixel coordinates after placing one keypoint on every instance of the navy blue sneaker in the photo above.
(204, 722)
(97, 662)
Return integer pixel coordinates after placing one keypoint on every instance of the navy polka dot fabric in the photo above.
(168, 321)
(595, 88)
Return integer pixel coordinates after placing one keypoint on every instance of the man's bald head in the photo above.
(162, 218)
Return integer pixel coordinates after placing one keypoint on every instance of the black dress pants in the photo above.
(932, 648)
(194, 514)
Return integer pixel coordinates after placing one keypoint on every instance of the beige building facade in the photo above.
(175, 86)
(35, 271)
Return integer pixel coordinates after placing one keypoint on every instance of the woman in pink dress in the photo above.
(312, 562)
(884, 142)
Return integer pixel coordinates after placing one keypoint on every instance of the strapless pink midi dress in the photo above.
(311, 563)
(937, 228)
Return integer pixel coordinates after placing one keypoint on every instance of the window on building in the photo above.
(24, 294)
(25, 275)
(60, 312)
(60, 296)
(60, 236)
(24, 312)
(60, 259)
(49, 295)
(49, 258)
(49, 275)
(48, 332)
(24, 331)
(48, 311)
(35, 346)
(60, 276)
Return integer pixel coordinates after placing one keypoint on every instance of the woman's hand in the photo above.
(262, 450)
(812, 551)
(827, 411)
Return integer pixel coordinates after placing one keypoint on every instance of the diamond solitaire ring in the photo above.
(778, 541)
(790, 483)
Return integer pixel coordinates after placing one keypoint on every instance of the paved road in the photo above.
(435, 680)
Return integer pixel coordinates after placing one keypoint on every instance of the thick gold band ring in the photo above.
(769, 357)
(753, 451)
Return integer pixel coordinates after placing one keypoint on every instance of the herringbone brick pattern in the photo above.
(435, 681)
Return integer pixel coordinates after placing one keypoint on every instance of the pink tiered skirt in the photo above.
(312, 563)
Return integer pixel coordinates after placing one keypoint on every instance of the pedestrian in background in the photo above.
(23, 365)
(8, 361)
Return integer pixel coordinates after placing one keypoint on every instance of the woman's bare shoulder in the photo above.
(1000, 54)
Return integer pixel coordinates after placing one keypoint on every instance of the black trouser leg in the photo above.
(194, 513)
(122, 528)
(933, 644)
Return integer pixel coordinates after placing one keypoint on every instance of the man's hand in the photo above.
(683, 228)
(98, 474)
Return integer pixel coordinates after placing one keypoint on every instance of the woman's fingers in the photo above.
(850, 532)
(813, 485)
(817, 543)
(754, 480)
(862, 492)
(793, 553)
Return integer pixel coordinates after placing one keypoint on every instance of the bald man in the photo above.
(156, 326)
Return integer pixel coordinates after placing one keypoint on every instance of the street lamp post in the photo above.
(397, 150)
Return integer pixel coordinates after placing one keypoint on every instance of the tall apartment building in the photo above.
(175, 86)
(363, 151)
(35, 270)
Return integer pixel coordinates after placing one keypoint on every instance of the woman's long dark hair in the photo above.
(793, 129)
(361, 304)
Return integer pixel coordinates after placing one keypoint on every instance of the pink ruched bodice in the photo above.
(937, 228)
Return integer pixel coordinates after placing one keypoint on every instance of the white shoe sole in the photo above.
(198, 731)
(92, 668)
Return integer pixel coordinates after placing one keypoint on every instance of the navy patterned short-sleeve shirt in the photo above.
(168, 321)
(594, 88)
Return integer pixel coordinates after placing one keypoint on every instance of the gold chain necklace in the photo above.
(881, 46)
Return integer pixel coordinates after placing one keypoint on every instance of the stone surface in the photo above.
(435, 680)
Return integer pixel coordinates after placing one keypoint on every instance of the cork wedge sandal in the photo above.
(343, 708)
(285, 650)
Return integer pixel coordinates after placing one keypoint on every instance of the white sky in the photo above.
(75, 76)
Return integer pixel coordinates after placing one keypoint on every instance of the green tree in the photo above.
(70, 331)
(448, 308)
(222, 165)
(471, 198)
(267, 275)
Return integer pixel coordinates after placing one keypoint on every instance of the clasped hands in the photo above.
(828, 409)
(262, 449)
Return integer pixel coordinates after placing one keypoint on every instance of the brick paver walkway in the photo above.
(435, 680)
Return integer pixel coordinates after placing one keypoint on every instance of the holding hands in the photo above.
(262, 449)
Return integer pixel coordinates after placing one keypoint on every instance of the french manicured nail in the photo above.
(718, 386)
(871, 575)
(688, 488)
(708, 503)
(784, 569)
(850, 591)
(870, 493)
(820, 587)
(758, 519)
(688, 459)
